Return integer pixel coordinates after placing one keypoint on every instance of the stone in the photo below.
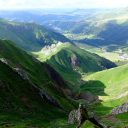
(73, 117)
(121, 109)
(4, 60)
(22, 73)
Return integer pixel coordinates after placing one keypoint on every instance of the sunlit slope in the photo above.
(111, 87)
(114, 89)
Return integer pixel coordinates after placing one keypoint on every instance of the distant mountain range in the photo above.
(29, 36)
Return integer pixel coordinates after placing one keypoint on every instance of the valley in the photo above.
(52, 61)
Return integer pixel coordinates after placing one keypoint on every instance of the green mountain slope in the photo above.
(111, 88)
(31, 91)
(20, 101)
(72, 62)
(115, 81)
(29, 36)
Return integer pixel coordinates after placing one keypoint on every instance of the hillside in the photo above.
(31, 91)
(29, 36)
(72, 62)
(111, 88)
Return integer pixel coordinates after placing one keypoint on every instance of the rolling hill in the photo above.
(31, 91)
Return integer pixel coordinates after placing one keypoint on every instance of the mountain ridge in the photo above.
(29, 36)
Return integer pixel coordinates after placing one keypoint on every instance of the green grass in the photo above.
(88, 124)
(86, 62)
(20, 104)
(39, 73)
(33, 120)
(111, 88)
(114, 81)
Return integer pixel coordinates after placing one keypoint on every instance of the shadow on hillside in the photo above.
(91, 90)
(94, 86)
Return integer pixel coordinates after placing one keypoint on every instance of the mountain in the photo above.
(106, 28)
(29, 36)
(97, 27)
(31, 91)
(93, 26)
(111, 88)
(41, 93)
(72, 62)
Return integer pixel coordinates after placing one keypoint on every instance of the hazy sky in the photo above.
(19, 4)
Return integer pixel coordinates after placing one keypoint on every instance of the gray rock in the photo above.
(80, 116)
(121, 109)
(50, 99)
(73, 117)
(74, 61)
(3, 60)
(22, 73)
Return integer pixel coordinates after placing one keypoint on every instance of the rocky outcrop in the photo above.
(22, 73)
(121, 109)
(74, 61)
(42, 93)
(73, 117)
(3, 60)
(80, 116)
(48, 98)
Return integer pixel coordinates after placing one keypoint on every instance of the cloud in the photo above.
(12, 4)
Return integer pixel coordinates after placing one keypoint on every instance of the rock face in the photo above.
(48, 98)
(74, 61)
(4, 60)
(73, 117)
(80, 116)
(121, 109)
(22, 73)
